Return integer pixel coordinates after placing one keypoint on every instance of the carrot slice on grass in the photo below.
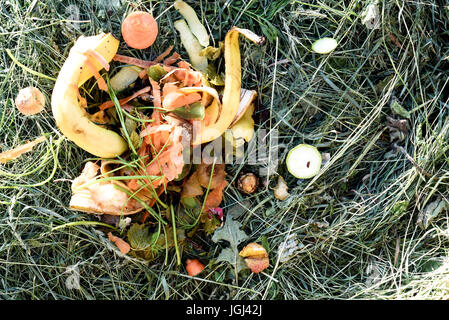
(194, 267)
(139, 30)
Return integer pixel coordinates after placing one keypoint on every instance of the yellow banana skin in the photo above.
(70, 117)
(231, 95)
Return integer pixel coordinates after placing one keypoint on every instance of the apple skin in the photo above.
(304, 161)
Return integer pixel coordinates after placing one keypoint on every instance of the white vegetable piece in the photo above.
(194, 23)
(304, 161)
(126, 76)
(324, 45)
(193, 47)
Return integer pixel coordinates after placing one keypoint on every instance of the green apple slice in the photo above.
(324, 45)
(304, 161)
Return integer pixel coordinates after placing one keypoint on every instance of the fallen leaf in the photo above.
(229, 255)
(231, 233)
(215, 196)
(140, 237)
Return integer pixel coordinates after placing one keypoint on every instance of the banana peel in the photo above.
(244, 128)
(247, 98)
(231, 97)
(71, 119)
(241, 131)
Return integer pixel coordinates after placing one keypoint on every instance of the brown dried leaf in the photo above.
(192, 187)
(204, 175)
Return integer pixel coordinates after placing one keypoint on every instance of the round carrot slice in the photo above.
(139, 30)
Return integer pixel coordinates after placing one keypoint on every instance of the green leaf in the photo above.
(399, 207)
(213, 53)
(228, 255)
(231, 233)
(269, 31)
(140, 237)
(275, 7)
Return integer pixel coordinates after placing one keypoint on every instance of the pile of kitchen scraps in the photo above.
(144, 184)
